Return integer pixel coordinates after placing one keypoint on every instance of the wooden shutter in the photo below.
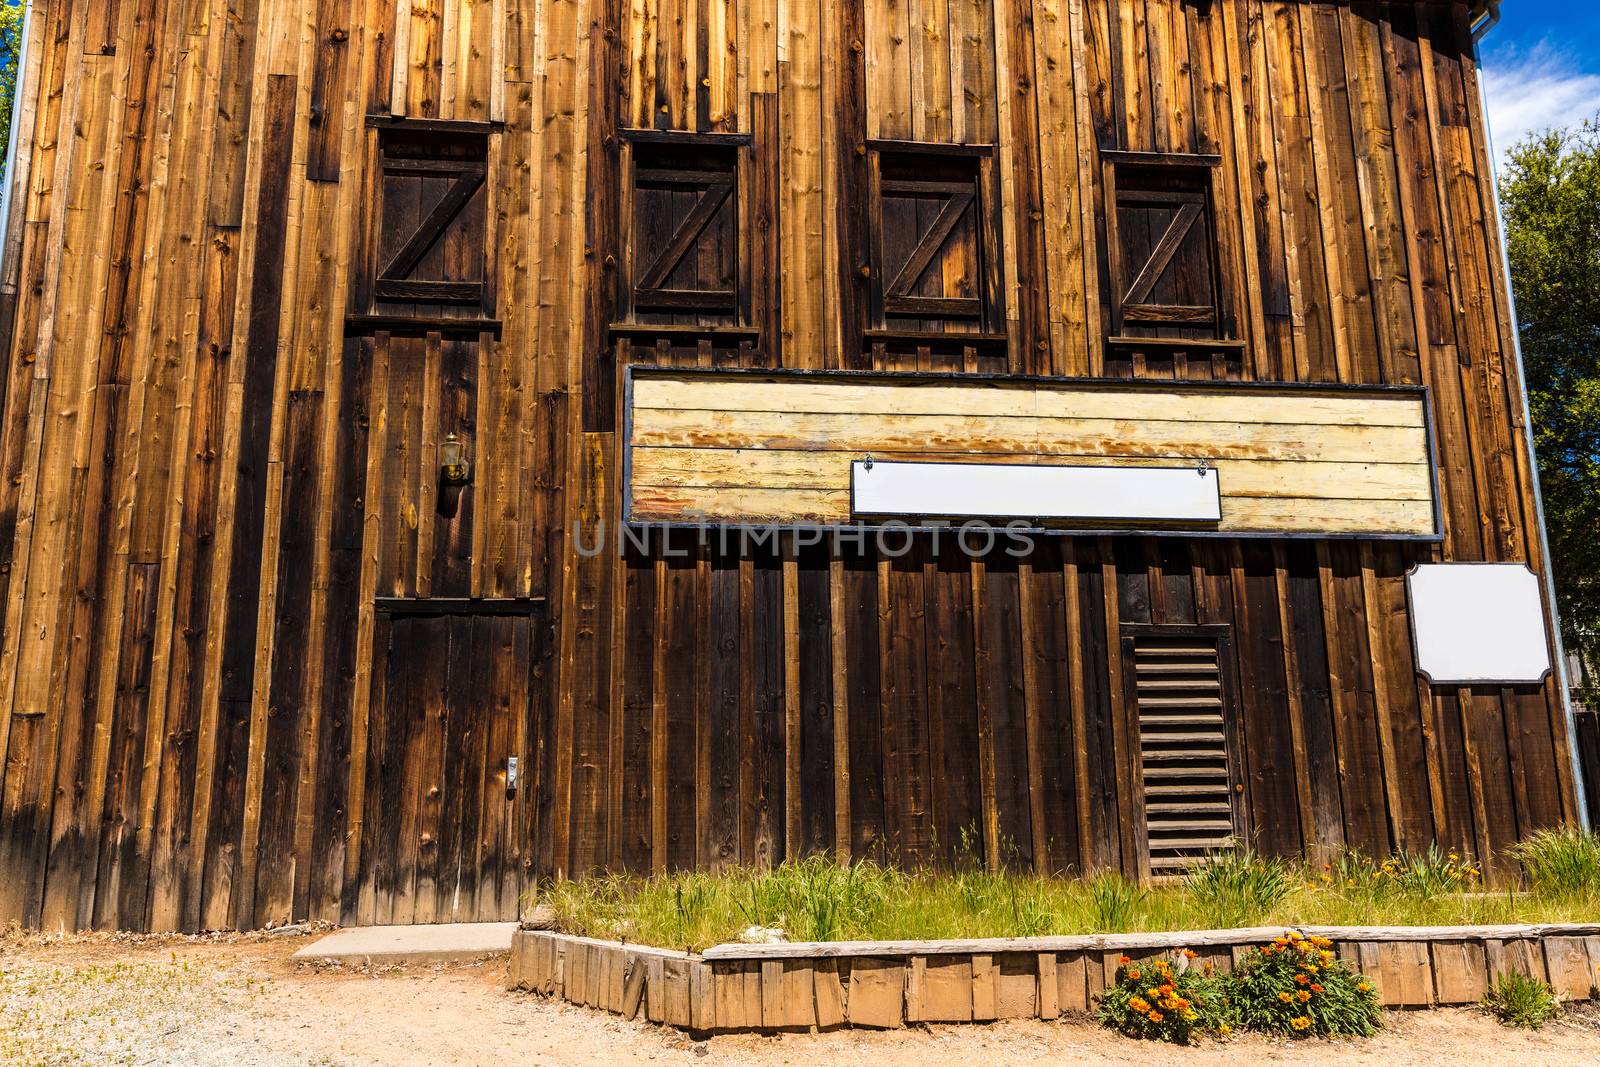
(681, 231)
(427, 255)
(1182, 700)
(933, 244)
(1161, 239)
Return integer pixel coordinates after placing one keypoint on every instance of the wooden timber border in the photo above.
(884, 985)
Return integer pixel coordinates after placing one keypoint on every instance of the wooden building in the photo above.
(342, 332)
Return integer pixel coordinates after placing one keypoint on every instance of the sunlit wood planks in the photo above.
(742, 448)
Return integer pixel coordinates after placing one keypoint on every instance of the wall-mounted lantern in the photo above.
(454, 467)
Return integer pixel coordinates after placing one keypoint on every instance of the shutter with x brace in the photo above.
(682, 251)
(432, 241)
(929, 235)
(1163, 255)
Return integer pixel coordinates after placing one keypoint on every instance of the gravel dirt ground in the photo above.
(240, 1001)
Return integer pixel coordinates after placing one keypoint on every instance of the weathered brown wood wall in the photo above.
(211, 474)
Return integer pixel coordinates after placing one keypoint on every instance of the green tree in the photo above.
(12, 14)
(1550, 194)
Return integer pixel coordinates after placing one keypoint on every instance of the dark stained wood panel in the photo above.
(445, 728)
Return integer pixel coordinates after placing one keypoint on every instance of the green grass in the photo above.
(818, 900)
(1562, 862)
(1518, 1000)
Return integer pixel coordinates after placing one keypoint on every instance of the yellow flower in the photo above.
(1300, 1022)
(1302, 996)
(1156, 1016)
(1223, 1029)
(1139, 1004)
(1365, 987)
(1285, 997)
(1326, 954)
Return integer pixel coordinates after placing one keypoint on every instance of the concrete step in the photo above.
(432, 943)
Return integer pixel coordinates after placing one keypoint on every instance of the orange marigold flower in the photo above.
(1156, 1016)
(1285, 997)
(1316, 987)
(1125, 959)
(1302, 996)
(1301, 979)
(1131, 974)
(1300, 1022)
(1190, 953)
(1139, 1004)
(1365, 987)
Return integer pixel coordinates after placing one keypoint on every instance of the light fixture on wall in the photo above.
(454, 467)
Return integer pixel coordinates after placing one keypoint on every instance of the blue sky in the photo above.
(1541, 66)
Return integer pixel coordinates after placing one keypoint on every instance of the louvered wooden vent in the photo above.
(1183, 747)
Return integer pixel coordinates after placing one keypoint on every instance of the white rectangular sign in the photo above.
(1478, 622)
(1028, 491)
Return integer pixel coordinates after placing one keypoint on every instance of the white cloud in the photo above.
(1534, 89)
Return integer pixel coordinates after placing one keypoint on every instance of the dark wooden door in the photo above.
(442, 812)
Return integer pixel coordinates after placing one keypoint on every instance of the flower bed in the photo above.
(770, 987)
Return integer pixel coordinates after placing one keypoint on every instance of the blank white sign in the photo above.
(1478, 622)
(1008, 490)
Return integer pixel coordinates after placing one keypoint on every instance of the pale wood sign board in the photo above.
(791, 450)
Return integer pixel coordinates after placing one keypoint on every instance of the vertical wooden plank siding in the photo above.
(218, 480)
